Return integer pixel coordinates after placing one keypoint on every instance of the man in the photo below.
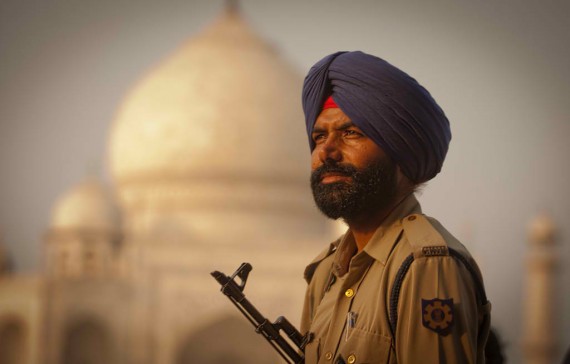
(397, 287)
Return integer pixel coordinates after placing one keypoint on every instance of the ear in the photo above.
(400, 177)
(405, 185)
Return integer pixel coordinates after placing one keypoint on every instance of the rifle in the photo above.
(270, 331)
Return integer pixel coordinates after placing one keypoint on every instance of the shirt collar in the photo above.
(383, 240)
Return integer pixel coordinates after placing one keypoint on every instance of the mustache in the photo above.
(340, 169)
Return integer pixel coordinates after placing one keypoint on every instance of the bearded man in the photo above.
(396, 287)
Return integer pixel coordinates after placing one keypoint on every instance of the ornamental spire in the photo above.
(232, 6)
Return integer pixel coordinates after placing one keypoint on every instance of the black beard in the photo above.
(371, 189)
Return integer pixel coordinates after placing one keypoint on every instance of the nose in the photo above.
(330, 150)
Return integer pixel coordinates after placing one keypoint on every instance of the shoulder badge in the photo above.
(430, 251)
(437, 315)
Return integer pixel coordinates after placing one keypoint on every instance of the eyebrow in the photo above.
(342, 126)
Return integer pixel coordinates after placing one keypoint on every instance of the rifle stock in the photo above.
(270, 331)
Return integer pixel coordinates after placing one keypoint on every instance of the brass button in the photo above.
(351, 359)
(349, 293)
(328, 356)
(411, 218)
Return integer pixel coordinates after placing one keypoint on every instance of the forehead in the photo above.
(331, 118)
(334, 119)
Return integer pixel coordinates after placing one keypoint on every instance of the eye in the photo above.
(318, 137)
(351, 133)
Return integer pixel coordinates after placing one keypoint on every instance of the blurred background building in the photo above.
(197, 187)
(206, 166)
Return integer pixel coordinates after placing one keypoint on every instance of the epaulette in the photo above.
(426, 241)
(310, 269)
(423, 237)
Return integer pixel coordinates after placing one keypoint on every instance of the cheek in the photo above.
(371, 153)
(315, 160)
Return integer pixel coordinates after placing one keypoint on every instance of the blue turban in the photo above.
(388, 105)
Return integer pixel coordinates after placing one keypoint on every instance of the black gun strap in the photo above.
(395, 293)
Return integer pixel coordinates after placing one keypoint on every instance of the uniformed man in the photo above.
(396, 287)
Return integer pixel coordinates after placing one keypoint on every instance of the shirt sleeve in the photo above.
(438, 319)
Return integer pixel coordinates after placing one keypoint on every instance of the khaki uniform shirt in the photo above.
(411, 266)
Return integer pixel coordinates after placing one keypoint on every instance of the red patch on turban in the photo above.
(330, 104)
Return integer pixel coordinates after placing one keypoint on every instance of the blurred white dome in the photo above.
(88, 206)
(224, 105)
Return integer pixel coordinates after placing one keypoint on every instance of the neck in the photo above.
(364, 226)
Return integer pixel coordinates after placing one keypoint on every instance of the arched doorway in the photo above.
(87, 342)
(228, 340)
(13, 348)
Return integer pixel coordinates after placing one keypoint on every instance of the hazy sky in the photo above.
(499, 70)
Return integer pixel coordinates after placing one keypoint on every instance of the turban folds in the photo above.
(388, 105)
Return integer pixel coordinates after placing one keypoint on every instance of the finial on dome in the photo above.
(232, 6)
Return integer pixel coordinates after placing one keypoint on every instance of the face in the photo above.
(351, 175)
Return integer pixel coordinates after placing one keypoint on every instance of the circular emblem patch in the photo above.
(437, 315)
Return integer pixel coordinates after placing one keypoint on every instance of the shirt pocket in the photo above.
(312, 352)
(364, 347)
